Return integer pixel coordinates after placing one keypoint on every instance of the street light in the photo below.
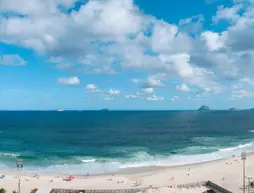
(249, 178)
(243, 157)
(20, 164)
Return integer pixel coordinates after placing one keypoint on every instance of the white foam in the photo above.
(241, 146)
(251, 131)
(140, 159)
(88, 160)
(9, 154)
(173, 160)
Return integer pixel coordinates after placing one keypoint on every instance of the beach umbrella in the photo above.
(71, 177)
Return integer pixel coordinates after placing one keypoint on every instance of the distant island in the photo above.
(204, 108)
(104, 110)
(234, 109)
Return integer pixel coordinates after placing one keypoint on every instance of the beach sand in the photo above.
(226, 173)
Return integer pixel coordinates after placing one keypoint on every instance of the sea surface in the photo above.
(101, 142)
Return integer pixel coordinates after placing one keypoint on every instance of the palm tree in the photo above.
(2, 190)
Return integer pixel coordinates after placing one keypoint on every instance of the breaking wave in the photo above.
(205, 150)
(9, 154)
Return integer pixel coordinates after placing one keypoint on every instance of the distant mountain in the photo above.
(234, 109)
(204, 108)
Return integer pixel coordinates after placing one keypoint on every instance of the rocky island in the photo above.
(204, 108)
(234, 109)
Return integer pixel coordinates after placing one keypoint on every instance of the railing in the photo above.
(136, 190)
(217, 187)
(97, 191)
(132, 190)
(192, 185)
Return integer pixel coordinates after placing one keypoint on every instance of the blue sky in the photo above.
(126, 54)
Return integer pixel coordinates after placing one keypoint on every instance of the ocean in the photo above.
(99, 142)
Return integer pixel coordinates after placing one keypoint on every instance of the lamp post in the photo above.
(243, 157)
(20, 164)
(249, 178)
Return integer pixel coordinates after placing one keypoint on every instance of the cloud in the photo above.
(107, 94)
(154, 98)
(107, 98)
(69, 81)
(35, 7)
(183, 88)
(144, 94)
(12, 60)
(113, 92)
(55, 59)
(148, 90)
(49, 30)
(81, 38)
(151, 82)
(163, 36)
(239, 94)
(236, 86)
(192, 25)
(134, 96)
(174, 98)
(92, 88)
(213, 40)
(97, 64)
(230, 14)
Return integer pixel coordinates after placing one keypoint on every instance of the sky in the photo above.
(126, 54)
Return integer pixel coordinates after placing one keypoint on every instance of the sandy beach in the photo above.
(226, 173)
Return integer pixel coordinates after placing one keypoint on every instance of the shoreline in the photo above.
(225, 172)
(124, 171)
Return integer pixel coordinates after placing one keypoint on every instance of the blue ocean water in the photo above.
(101, 142)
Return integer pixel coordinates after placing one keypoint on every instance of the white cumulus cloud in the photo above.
(151, 82)
(241, 93)
(230, 14)
(12, 60)
(115, 36)
(174, 98)
(69, 81)
(154, 98)
(107, 98)
(113, 92)
(183, 88)
(148, 90)
(214, 41)
(92, 88)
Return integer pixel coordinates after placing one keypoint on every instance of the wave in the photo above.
(100, 165)
(251, 131)
(188, 155)
(196, 150)
(241, 146)
(9, 154)
(88, 160)
(139, 159)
